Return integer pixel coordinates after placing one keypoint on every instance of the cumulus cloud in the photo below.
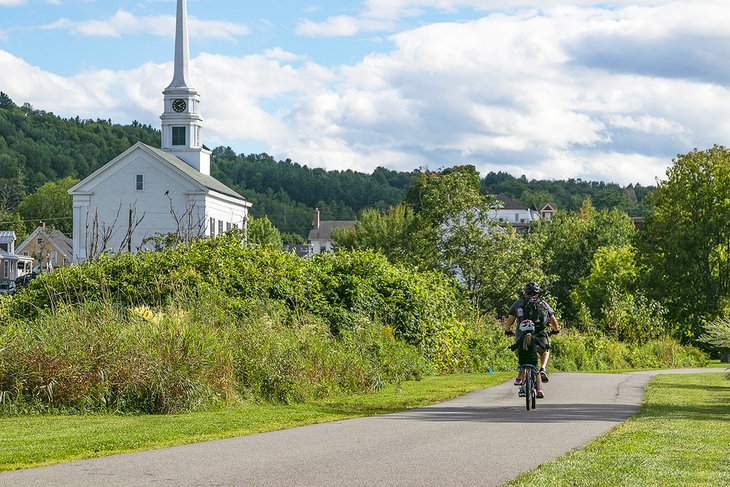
(520, 91)
(123, 22)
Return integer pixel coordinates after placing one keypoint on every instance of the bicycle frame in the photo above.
(530, 384)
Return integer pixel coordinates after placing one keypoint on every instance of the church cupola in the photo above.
(182, 125)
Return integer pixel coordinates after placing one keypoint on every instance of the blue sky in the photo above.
(608, 90)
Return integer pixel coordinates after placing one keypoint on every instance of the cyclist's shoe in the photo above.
(544, 376)
(518, 381)
(521, 392)
(540, 394)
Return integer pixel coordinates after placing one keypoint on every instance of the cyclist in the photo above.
(532, 307)
(527, 355)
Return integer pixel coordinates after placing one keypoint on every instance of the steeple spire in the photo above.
(182, 47)
(182, 125)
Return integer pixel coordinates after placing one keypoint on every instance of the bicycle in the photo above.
(530, 385)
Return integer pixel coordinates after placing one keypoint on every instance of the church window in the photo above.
(178, 136)
(220, 227)
(228, 226)
(140, 182)
(212, 227)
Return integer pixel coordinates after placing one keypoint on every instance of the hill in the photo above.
(37, 147)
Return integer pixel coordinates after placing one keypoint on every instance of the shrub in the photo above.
(574, 351)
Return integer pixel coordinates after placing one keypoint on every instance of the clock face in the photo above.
(179, 105)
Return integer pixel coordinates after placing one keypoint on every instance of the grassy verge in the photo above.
(31, 441)
(680, 437)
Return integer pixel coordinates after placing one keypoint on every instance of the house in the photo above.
(147, 192)
(547, 210)
(12, 266)
(320, 236)
(47, 248)
(514, 213)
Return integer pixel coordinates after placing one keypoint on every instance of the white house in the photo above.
(147, 191)
(12, 266)
(320, 236)
(513, 212)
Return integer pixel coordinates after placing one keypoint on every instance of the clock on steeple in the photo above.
(179, 105)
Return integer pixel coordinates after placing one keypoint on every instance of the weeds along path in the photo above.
(474, 440)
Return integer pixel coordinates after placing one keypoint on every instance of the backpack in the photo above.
(536, 310)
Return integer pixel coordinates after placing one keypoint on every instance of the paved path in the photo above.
(470, 441)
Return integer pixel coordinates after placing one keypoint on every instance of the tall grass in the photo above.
(191, 356)
(216, 322)
(575, 351)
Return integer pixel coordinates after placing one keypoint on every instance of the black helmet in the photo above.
(532, 288)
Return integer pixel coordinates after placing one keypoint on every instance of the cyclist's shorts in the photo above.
(542, 341)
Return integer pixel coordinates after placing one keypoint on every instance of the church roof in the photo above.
(208, 181)
(204, 180)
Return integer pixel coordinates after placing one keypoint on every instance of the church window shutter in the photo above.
(178, 136)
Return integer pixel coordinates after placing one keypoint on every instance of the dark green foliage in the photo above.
(286, 192)
(569, 243)
(570, 194)
(42, 147)
(51, 204)
(685, 242)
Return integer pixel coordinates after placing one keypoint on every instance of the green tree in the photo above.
(609, 298)
(613, 270)
(50, 203)
(717, 336)
(6, 102)
(448, 209)
(569, 242)
(685, 240)
(388, 233)
(262, 231)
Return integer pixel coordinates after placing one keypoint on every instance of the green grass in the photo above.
(681, 436)
(31, 441)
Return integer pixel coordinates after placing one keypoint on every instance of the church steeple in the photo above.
(182, 125)
(182, 48)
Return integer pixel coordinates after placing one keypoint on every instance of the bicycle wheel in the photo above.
(534, 389)
(528, 388)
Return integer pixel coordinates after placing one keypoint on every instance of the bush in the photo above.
(423, 308)
(574, 351)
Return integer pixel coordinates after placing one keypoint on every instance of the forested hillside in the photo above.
(38, 148)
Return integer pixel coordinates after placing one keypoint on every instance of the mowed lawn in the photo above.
(31, 441)
(680, 437)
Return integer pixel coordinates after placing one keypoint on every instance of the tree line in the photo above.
(38, 148)
(669, 278)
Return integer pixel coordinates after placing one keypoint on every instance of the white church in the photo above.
(146, 192)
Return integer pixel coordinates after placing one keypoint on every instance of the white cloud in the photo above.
(123, 22)
(11, 3)
(342, 26)
(527, 92)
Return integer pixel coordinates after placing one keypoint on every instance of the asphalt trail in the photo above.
(473, 440)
